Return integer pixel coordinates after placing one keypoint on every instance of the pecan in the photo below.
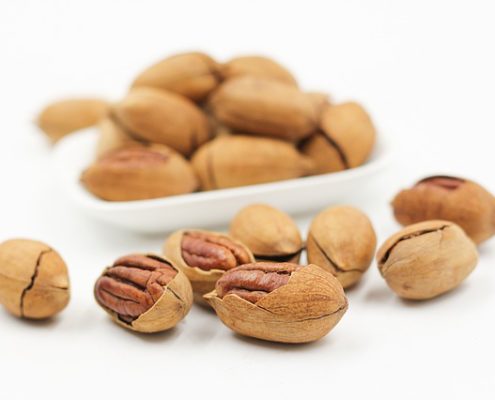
(133, 284)
(444, 182)
(254, 281)
(208, 251)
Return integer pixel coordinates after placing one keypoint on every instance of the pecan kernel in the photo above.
(444, 182)
(133, 284)
(254, 281)
(210, 251)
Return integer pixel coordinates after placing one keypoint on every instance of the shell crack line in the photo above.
(33, 279)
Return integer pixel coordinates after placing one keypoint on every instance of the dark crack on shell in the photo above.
(385, 257)
(33, 279)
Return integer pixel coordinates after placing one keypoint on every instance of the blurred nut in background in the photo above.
(264, 107)
(346, 139)
(239, 160)
(342, 241)
(204, 256)
(453, 199)
(159, 116)
(66, 116)
(144, 293)
(139, 173)
(280, 302)
(258, 66)
(193, 75)
(112, 137)
(427, 259)
(34, 281)
(269, 233)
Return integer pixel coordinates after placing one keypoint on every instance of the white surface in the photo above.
(75, 153)
(425, 71)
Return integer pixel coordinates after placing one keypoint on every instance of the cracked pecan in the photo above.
(426, 259)
(209, 251)
(133, 284)
(444, 182)
(342, 241)
(253, 281)
(281, 302)
(34, 281)
(448, 198)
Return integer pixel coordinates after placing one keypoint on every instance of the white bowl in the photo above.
(213, 208)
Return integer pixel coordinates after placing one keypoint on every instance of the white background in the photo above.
(424, 69)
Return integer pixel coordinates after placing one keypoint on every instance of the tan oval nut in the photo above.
(193, 75)
(427, 259)
(34, 281)
(163, 117)
(62, 117)
(269, 233)
(259, 66)
(342, 241)
(262, 106)
(240, 160)
(345, 141)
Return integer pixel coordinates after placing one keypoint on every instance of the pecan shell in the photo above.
(281, 302)
(133, 284)
(449, 198)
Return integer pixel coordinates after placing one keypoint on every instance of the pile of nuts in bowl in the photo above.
(190, 123)
(251, 276)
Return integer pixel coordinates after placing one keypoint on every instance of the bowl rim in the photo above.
(379, 158)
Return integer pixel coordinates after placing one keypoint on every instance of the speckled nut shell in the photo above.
(342, 240)
(263, 106)
(279, 302)
(239, 160)
(454, 199)
(66, 116)
(269, 233)
(345, 140)
(259, 66)
(139, 173)
(34, 281)
(193, 75)
(426, 259)
(163, 117)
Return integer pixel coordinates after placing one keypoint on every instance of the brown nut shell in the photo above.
(345, 141)
(239, 160)
(427, 259)
(303, 309)
(138, 173)
(459, 200)
(258, 66)
(203, 280)
(34, 281)
(269, 233)
(66, 116)
(342, 241)
(158, 300)
(112, 137)
(262, 106)
(163, 117)
(193, 75)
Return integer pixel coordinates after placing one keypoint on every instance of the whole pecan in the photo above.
(133, 284)
(253, 281)
(210, 251)
(448, 198)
